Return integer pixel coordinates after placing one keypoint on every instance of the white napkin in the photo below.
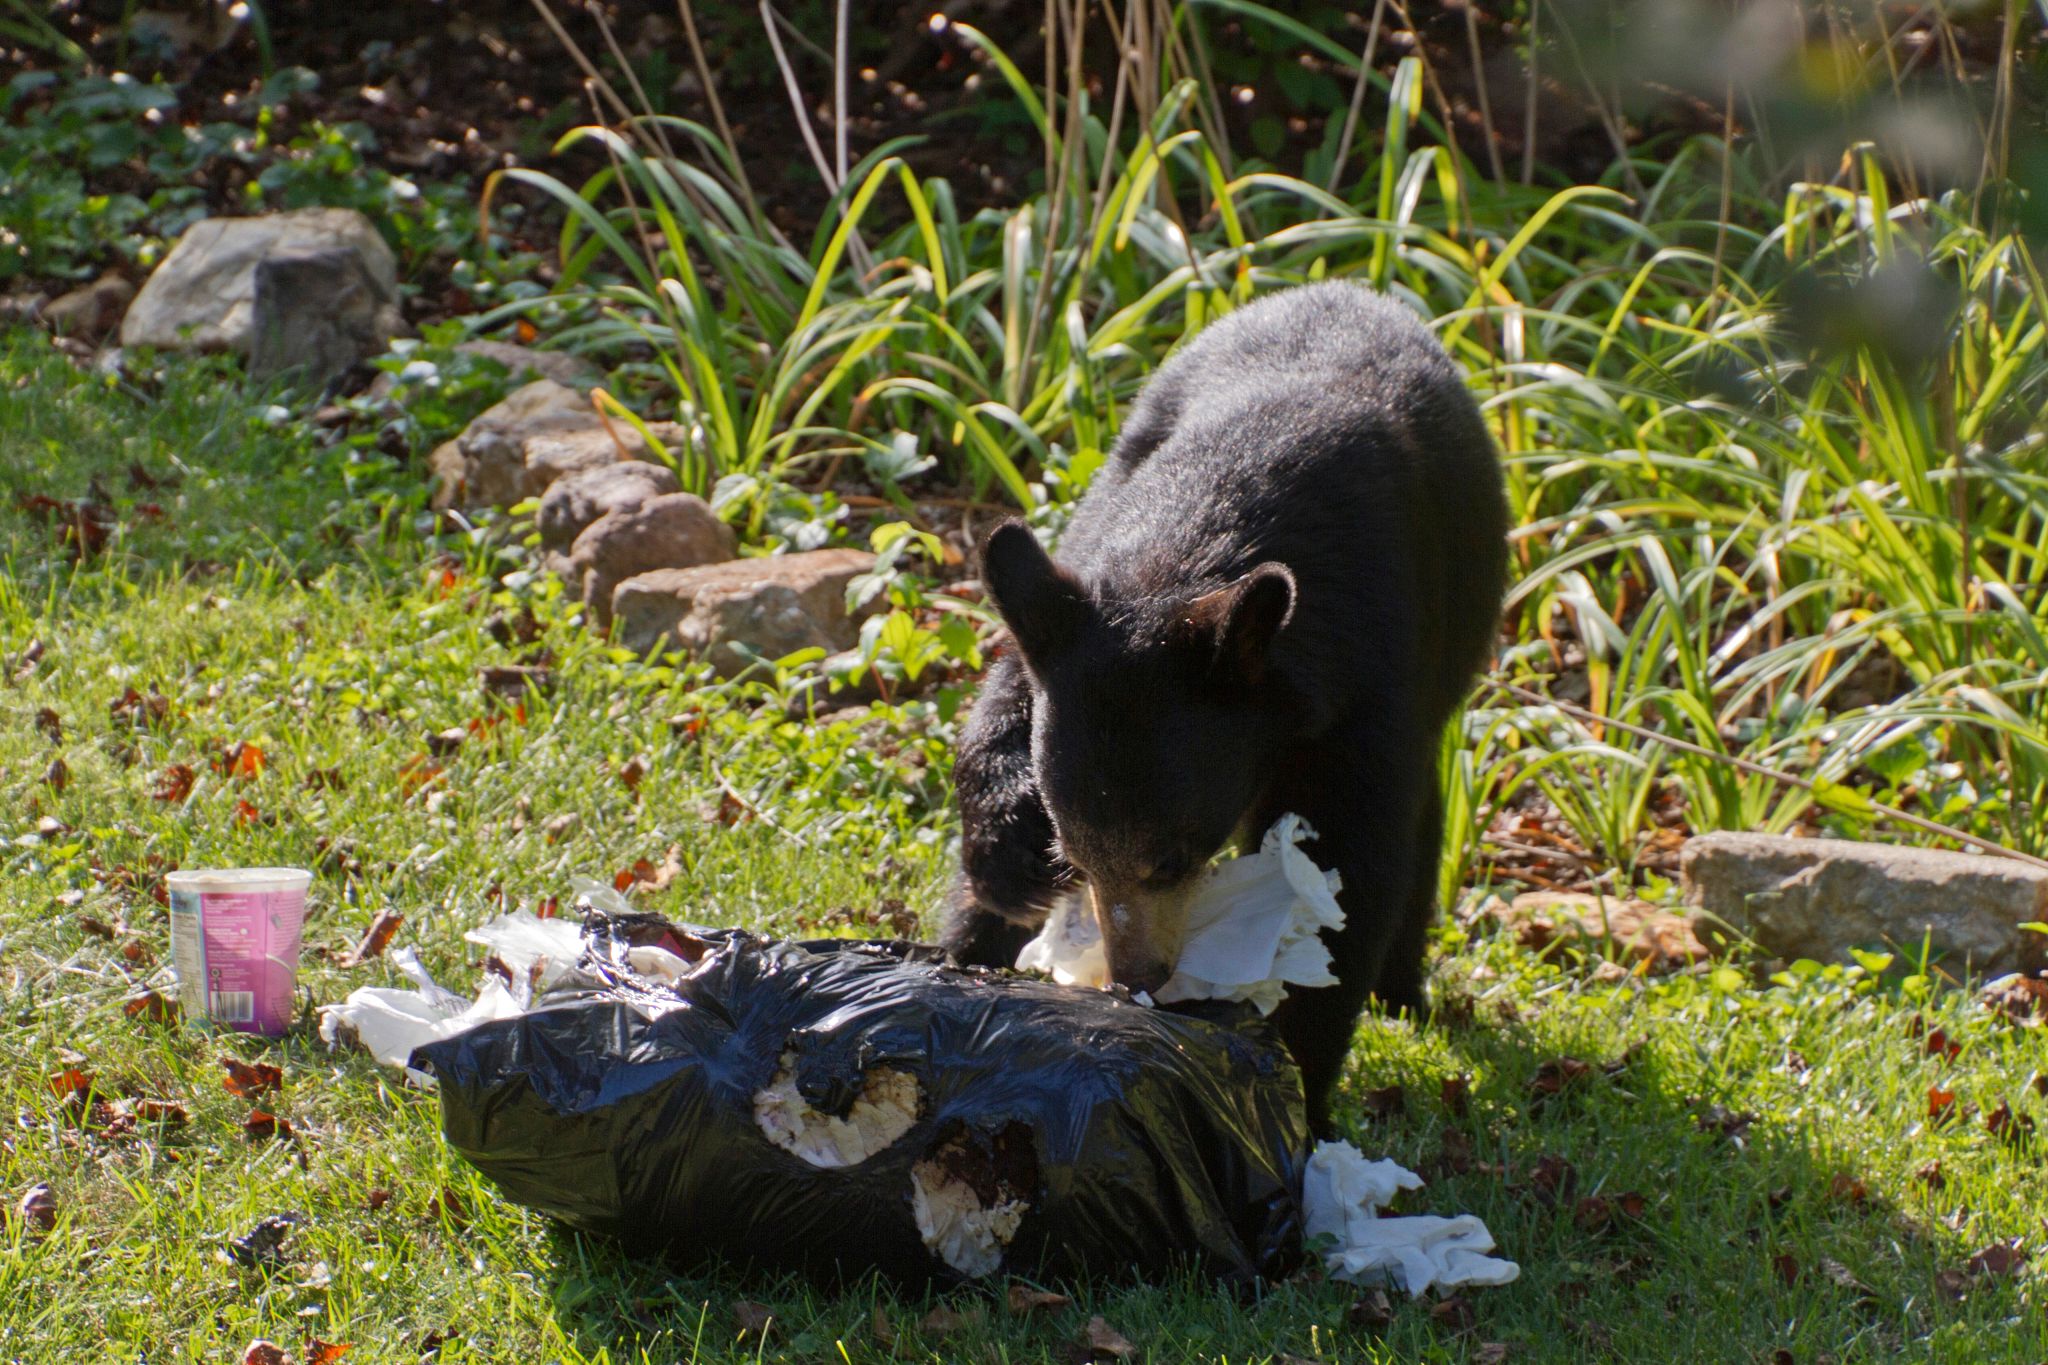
(1253, 929)
(1341, 1196)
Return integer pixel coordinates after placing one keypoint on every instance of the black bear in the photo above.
(1273, 598)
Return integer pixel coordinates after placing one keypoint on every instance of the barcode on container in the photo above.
(232, 1007)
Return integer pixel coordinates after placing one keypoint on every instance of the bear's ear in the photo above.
(1238, 624)
(1043, 605)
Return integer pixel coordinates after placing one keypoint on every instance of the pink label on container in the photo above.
(237, 955)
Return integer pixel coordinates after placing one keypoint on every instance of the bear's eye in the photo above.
(1169, 870)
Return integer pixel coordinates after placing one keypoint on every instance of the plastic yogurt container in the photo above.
(235, 944)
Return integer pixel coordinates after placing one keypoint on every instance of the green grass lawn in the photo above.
(1744, 1171)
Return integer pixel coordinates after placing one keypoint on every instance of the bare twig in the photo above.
(1372, 42)
(1500, 174)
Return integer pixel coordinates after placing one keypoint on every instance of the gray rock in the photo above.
(673, 531)
(578, 499)
(1817, 898)
(91, 312)
(555, 455)
(773, 606)
(318, 313)
(492, 450)
(203, 295)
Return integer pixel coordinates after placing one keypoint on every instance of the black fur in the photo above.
(1273, 598)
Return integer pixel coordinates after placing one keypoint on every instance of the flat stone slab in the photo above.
(1818, 898)
(774, 606)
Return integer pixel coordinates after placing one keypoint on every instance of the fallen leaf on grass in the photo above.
(418, 773)
(884, 1330)
(320, 1352)
(248, 1080)
(262, 1352)
(1953, 1284)
(1453, 1314)
(2007, 1126)
(374, 940)
(945, 1322)
(51, 724)
(71, 1084)
(153, 1007)
(1785, 1267)
(139, 710)
(451, 1207)
(58, 775)
(1372, 1310)
(445, 742)
(170, 1113)
(632, 770)
(753, 1317)
(1553, 1179)
(1102, 1342)
(377, 1199)
(1490, 1353)
(99, 928)
(1592, 1213)
(1941, 1104)
(1940, 1045)
(241, 760)
(2000, 1258)
(262, 1247)
(38, 1208)
(174, 783)
(1930, 1175)
(261, 1123)
(1457, 1095)
(1723, 1122)
(1025, 1299)
(1553, 1076)
(1847, 1188)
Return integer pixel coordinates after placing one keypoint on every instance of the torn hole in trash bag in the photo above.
(883, 1111)
(971, 1192)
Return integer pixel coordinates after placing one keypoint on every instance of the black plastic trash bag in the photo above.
(837, 1107)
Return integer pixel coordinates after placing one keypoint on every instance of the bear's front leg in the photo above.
(1008, 873)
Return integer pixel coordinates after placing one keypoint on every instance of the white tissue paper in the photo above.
(1341, 1196)
(539, 953)
(1253, 929)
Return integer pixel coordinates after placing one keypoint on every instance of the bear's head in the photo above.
(1158, 724)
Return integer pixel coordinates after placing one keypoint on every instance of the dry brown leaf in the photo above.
(1457, 1095)
(1930, 1175)
(1023, 1298)
(1940, 1104)
(1490, 1353)
(444, 743)
(51, 724)
(375, 939)
(1453, 1314)
(377, 1199)
(884, 1330)
(174, 783)
(2000, 1258)
(170, 1113)
(38, 1208)
(152, 1006)
(1373, 1311)
(262, 1352)
(632, 770)
(320, 1352)
(248, 1080)
(1785, 1267)
(261, 1123)
(58, 775)
(1103, 1342)
(945, 1321)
